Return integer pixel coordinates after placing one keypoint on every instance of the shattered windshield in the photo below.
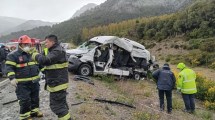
(89, 45)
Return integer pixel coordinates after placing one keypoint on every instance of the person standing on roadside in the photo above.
(56, 75)
(3, 55)
(23, 73)
(186, 84)
(165, 79)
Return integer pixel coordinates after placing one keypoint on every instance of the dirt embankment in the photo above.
(172, 47)
(141, 94)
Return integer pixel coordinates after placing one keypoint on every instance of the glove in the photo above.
(14, 82)
(34, 56)
(33, 50)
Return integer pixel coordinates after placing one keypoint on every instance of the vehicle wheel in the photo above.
(136, 76)
(85, 70)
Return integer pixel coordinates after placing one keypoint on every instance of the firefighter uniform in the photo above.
(21, 68)
(56, 76)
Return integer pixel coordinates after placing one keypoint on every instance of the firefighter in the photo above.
(24, 75)
(56, 75)
(186, 84)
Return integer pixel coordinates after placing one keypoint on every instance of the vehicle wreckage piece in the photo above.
(77, 103)
(10, 102)
(84, 79)
(113, 102)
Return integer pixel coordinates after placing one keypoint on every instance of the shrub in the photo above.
(211, 93)
(206, 91)
(212, 65)
(208, 45)
(176, 46)
(209, 105)
(168, 58)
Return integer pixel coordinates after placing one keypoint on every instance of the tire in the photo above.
(136, 76)
(85, 70)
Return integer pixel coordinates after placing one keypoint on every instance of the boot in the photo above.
(186, 111)
(37, 114)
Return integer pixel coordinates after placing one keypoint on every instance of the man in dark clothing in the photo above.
(165, 83)
(3, 55)
(56, 75)
(24, 75)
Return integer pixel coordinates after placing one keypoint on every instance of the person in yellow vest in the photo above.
(186, 84)
(56, 75)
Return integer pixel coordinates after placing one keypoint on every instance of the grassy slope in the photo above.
(143, 94)
(162, 49)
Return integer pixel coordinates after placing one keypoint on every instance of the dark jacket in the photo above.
(19, 65)
(3, 54)
(56, 65)
(165, 78)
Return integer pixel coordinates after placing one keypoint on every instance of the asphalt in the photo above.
(2, 79)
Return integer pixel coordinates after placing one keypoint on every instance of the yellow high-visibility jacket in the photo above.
(187, 81)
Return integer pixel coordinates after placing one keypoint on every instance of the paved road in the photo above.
(1, 79)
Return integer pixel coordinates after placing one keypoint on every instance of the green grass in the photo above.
(146, 116)
(147, 94)
(110, 110)
(177, 103)
(205, 115)
(105, 78)
(126, 100)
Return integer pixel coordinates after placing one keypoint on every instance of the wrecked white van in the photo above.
(110, 55)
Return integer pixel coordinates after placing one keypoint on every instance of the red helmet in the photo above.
(24, 39)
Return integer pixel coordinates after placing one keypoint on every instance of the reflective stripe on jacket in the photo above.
(186, 82)
(20, 66)
(56, 65)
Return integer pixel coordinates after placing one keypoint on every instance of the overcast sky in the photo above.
(46, 10)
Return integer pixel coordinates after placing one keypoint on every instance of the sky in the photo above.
(46, 10)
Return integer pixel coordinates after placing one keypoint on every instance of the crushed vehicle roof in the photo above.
(136, 49)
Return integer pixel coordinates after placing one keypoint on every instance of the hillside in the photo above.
(30, 24)
(196, 21)
(84, 9)
(195, 25)
(8, 23)
(103, 15)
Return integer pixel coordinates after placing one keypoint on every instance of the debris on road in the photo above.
(84, 79)
(10, 102)
(113, 102)
(77, 103)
